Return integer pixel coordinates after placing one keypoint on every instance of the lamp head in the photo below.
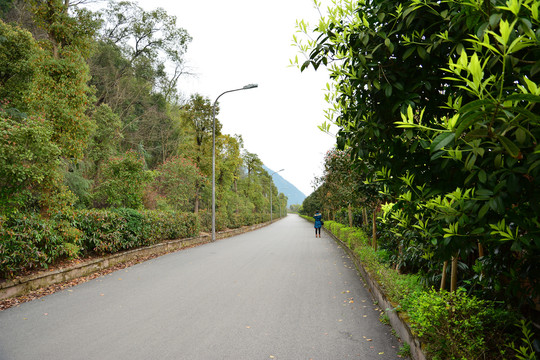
(250, 86)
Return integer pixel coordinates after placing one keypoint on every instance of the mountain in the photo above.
(292, 193)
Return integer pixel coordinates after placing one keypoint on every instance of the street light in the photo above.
(247, 87)
(271, 217)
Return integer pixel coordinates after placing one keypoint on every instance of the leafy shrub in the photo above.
(169, 225)
(456, 325)
(123, 181)
(358, 237)
(344, 234)
(123, 229)
(28, 242)
(101, 230)
(177, 183)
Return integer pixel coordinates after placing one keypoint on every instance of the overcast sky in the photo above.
(238, 42)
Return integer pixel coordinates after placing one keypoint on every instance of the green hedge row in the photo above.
(451, 325)
(230, 221)
(31, 242)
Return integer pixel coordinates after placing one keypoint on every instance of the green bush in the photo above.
(123, 229)
(169, 225)
(29, 242)
(344, 233)
(456, 325)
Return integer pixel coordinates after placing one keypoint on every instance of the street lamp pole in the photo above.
(271, 217)
(249, 86)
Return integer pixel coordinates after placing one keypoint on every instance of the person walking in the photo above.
(318, 223)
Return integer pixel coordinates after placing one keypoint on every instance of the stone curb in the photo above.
(400, 326)
(23, 285)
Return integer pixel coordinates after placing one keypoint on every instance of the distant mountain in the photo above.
(292, 193)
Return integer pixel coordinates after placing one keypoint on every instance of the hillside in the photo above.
(292, 193)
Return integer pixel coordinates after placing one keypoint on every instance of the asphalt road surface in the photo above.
(274, 293)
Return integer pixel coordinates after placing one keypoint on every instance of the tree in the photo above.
(177, 184)
(198, 115)
(143, 39)
(459, 79)
(122, 182)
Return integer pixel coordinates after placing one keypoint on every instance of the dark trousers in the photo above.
(317, 231)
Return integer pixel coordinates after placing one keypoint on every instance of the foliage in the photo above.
(456, 325)
(17, 68)
(525, 351)
(28, 161)
(31, 242)
(123, 181)
(451, 325)
(436, 102)
(135, 145)
(177, 183)
(145, 39)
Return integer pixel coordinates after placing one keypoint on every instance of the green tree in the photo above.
(459, 80)
(122, 182)
(177, 184)
(198, 116)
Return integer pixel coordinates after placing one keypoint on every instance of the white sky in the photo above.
(238, 42)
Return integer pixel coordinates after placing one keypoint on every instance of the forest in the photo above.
(99, 149)
(436, 172)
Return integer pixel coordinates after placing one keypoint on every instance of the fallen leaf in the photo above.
(381, 353)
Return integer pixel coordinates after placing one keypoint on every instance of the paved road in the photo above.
(275, 293)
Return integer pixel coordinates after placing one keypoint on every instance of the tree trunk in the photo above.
(350, 216)
(196, 211)
(400, 256)
(364, 212)
(443, 279)
(374, 236)
(454, 275)
(480, 250)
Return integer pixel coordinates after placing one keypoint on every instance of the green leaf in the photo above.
(483, 211)
(408, 52)
(526, 97)
(484, 193)
(482, 176)
(441, 141)
(467, 120)
(388, 90)
(473, 105)
(421, 52)
(521, 135)
(512, 148)
(477, 231)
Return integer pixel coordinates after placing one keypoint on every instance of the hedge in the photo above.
(29, 242)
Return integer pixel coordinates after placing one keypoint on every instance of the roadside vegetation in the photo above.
(99, 152)
(437, 162)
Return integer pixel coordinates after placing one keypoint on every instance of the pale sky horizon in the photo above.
(239, 42)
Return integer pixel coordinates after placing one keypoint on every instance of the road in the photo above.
(274, 293)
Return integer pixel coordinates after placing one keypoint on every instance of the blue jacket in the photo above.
(318, 220)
